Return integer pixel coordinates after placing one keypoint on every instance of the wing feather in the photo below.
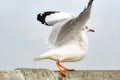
(71, 27)
(50, 18)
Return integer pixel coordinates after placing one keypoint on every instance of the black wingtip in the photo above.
(90, 2)
(41, 17)
(38, 16)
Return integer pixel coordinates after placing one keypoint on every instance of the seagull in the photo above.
(68, 36)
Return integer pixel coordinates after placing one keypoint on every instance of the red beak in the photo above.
(91, 30)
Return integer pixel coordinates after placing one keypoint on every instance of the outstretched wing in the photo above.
(50, 18)
(71, 28)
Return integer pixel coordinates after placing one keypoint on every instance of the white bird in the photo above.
(68, 35)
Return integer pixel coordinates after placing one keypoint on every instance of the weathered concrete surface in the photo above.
(44, 74)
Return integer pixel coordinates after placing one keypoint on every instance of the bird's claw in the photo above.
(71, 70)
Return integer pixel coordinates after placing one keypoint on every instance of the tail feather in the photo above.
(46, 55)
(38, 58)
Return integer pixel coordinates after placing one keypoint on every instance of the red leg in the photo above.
(60, 69)
(68, 69)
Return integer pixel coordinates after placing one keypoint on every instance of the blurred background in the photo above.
(22, 37)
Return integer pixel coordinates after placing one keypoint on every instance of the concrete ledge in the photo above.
(45, 74)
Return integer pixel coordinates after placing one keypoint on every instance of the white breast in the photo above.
(83, 40)
(68, 53)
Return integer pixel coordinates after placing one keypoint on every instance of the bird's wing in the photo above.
(71, 27)
(50, 18)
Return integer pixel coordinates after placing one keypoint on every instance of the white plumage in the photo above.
(68, 35)
(50, 18)
(58, 17)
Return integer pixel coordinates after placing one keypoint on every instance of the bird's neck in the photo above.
(83, 40)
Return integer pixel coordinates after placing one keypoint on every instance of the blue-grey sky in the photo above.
(22, 37)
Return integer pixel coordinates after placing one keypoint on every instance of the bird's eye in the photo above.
(86, 27)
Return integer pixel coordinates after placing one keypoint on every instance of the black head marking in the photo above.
(41, 17)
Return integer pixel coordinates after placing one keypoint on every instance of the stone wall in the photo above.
(45, 74)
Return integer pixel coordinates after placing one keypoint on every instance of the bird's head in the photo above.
(88, 29)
